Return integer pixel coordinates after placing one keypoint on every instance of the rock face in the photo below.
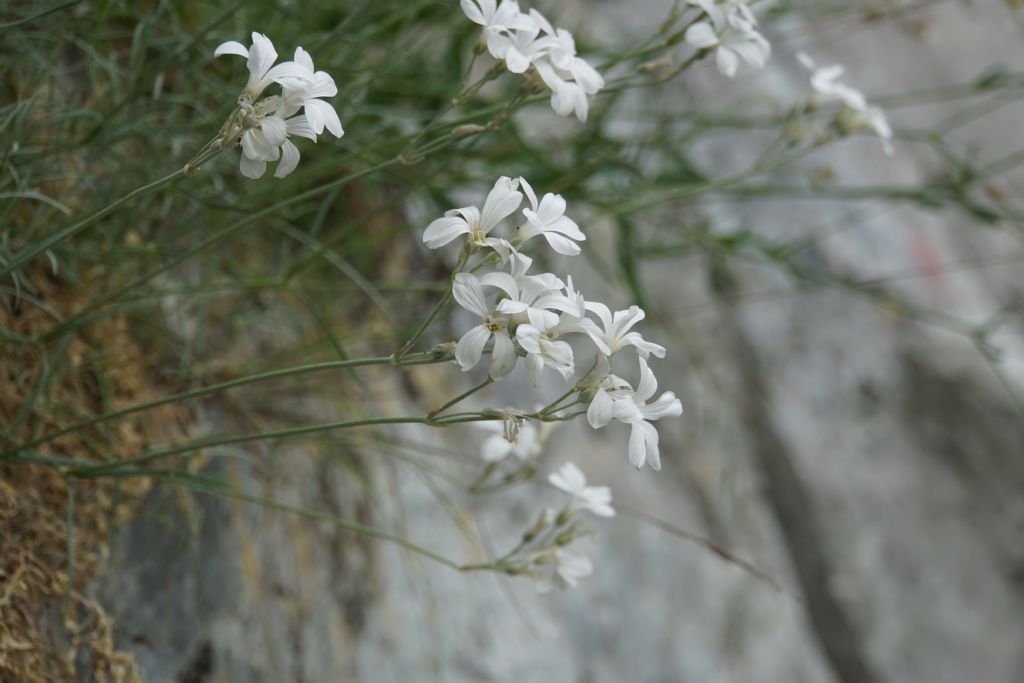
(868, 459)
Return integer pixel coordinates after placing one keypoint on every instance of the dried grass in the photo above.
(49, 629)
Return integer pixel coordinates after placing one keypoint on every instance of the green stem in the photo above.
(73, 229)
(418, 359)
(464, 395)
(445, 298)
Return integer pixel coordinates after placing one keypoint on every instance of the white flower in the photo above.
(547, 219)
(539, 338)
(616, 334)
(261, 57)
(268, 141)
(826, 85)
(616, 400)
(596, 499)
(304, 93)
(502, 201)
(519, 48)
(521, 442)
(731, 30)
(525, 292)
(497, 19)
(468, 350)
(570, 568)
(856, 113)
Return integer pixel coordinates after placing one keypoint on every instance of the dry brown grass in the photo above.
(49, 629)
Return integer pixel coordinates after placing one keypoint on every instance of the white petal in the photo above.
(327, 115)
(727, 62)
(444, 230)
(252, 168)
(467, 291)
(502, 201)
(667, 405)
(600, 411)
(701, 36)
(516, 61)
(299, 125)
(231, 47)
(503, 357)
(303, 59)
(274, 130)
(648, 383)
(637, 446)
(495, 448)
(262, 55)
(470, 347)
(562, 245)
(471, 10)
(289, 159)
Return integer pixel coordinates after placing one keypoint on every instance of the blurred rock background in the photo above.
(862, 453)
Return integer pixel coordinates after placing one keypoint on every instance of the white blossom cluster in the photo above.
(525, 40)
(856, 113)
(261, 127)
(543, 553)
(728, 27)
(532, 316)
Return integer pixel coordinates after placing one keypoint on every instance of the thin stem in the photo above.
(73, 229)
(418, 359)
(445, 298)
(464, 395)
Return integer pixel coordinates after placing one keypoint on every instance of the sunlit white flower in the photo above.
(731, 30)
(616, 400)
(570, 78)
(261, 57)
(469, 349)
(547, 218)
(524, 292)
(595, 499)
(502, 201)
(616, 333)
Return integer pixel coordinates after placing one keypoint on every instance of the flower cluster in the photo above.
(729, 27)
(526, 41)
(261, 127)
(543, 552)
(856, 113)
(533, 317)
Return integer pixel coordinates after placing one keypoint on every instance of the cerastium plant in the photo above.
(512, 316)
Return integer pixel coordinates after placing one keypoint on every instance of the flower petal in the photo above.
(600, 411)
(470, 347)
(289, 159)
(444, 230)
(231, 47)
(468, 293)
(503, 356)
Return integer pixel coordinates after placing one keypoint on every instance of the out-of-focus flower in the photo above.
(856, 113)
(730, 30)
(595, 499)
